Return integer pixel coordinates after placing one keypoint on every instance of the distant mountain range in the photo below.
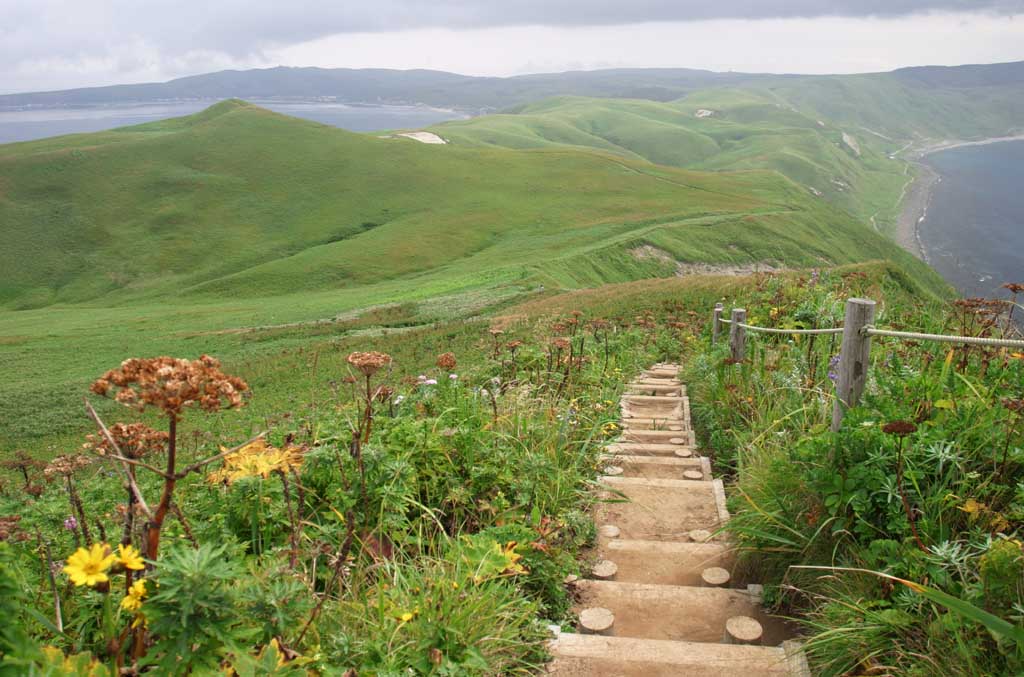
(437, 88)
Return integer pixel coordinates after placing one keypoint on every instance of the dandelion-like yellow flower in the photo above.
(89, 567)
(130, 558)
(133, 600)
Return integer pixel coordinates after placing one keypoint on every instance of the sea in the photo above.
(38, 123)
(973, 230)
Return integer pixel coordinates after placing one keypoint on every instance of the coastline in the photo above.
(917, 196)
(914, 209)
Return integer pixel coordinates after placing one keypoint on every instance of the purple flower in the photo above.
(453, 377)
(71, 524)
(429, 382)
(833, 366)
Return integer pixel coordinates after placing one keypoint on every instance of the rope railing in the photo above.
(773, 330)
(854, 354)
(943, 338)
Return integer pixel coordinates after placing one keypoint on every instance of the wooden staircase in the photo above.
(661, 600)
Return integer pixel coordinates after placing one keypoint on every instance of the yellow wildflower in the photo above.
(133, 600)
(130, 558)
(405, 617)
(89, 567)
(257, 459)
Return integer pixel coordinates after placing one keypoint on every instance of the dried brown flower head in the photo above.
(9, 529)
(1014, 287)
(494, 331)
(446, 361)
(384, 393)
(369, 362)
(66, 465)
(171, 384)
(135, 440)
(899, 428)
(21, 462)
(514, 345)
(1014, 405)
(560, 343)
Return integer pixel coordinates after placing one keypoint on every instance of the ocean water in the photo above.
(973, 232)
(38, 123)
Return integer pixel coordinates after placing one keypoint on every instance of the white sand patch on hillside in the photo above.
(424, 137)
(852, 143)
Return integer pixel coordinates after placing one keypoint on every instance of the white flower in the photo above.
(429, 382)
(399, 399)
(453, 376)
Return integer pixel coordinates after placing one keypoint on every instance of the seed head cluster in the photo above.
(171, 384)
(66, 465)
(899, 428)
(370, 362)
(446, 361)
(135, 440)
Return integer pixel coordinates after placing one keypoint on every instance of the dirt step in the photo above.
(661, 372)
(676, 612)
(641, 449)
(666, 409)
(650, 389)
(655, 406)
(597, 656)
(684, 437)
(666, 467)
(664, 563)
(673, 423)
(661, 509)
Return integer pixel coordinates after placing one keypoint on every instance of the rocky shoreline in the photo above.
(914, 209)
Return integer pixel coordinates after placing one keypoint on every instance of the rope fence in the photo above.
(854, 355)
(943, 338)
(802, 332)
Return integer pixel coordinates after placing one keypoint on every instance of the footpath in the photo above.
(662, 598)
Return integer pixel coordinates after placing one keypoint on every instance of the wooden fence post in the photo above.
(716, 323)
(852, 371)
(738, 335)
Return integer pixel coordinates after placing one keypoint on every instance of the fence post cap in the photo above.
(861, 301)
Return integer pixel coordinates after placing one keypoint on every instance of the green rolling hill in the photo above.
(243, 202)
(715, 129)
(242, 232)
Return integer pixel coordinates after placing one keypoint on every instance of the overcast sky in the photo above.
(55, 44)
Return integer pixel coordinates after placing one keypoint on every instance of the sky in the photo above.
(58, 44)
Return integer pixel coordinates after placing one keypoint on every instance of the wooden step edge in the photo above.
(754, 592)
(666, 461)
(686, 657)
(667, 548)
(718, 487)
(654, 483)
(654, 399)
(796, 658)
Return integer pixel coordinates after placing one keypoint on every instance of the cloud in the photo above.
(44, 41)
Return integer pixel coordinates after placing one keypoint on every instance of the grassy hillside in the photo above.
(243, 201)
(243, 232)
(716, 129)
